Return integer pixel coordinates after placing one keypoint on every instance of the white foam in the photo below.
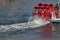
(36, 22)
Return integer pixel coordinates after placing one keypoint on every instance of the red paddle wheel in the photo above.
(45, 11)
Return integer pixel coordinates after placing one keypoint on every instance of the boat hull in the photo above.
(55, 21)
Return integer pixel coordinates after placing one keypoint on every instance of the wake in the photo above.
(32, 23)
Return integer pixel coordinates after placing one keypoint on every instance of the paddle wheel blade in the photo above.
(45, 11)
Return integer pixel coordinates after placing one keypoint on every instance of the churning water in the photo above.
(17, 23)
(32, 23)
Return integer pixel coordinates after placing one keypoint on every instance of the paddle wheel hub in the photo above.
(45, 11)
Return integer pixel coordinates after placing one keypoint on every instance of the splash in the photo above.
(33, 22)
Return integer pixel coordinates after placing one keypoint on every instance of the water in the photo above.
(18, 11)
(16, 22)
(47, 32)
